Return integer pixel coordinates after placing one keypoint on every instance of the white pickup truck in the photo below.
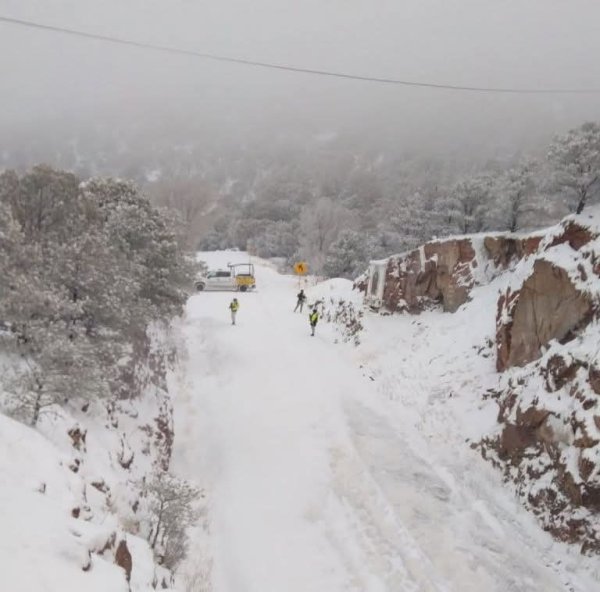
(239, 277)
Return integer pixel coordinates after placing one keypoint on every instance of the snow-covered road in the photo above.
(311, 485)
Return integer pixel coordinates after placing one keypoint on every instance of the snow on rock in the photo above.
(549, 395)
(549, 442)
(445, 271)
(547, 306)
(551, 296)
(37, 493)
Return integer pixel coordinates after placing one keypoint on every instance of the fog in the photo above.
(55, 86)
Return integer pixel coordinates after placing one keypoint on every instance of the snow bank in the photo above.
(37, 494)
(70, 489)
(334, 289)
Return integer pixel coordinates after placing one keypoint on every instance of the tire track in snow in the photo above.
(391, 551)
(466, 544)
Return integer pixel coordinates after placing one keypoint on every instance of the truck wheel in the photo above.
(199, 287)
(243, 288)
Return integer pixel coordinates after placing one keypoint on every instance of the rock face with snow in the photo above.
(547, 306)
(439, 272)
(444, 271)
(549, 395)
(549, 442)
(554, 301)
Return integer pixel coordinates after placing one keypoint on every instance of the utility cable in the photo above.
(273, 66)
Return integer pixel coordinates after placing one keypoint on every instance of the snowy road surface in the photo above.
(312, 486)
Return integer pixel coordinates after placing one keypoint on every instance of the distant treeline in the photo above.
(367, 210)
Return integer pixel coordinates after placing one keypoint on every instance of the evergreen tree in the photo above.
(86, 270)
(575, 158)
(463, 209)
(517, 201)
(347, 256)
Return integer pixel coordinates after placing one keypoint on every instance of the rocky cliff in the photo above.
(548, 397)
(546, 440)
(443, 272)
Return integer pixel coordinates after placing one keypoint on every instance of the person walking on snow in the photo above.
(313, 318)
(234, 307)
(301, 299)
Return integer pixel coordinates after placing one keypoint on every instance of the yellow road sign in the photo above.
(301, 268)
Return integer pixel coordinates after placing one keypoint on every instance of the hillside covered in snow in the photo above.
(91, 279)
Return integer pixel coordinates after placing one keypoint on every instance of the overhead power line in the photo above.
(312, 71)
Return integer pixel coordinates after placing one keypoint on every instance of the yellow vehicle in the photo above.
(239, 277)
(243, 274)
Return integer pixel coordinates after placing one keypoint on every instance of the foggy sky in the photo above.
(46, 77)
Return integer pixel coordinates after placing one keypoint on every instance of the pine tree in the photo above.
(575, 157)
(347, 256)
(86, 270)
(463, 209)
(517, 201)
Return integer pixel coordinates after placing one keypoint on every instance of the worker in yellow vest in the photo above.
(234, 307)
(313, 318)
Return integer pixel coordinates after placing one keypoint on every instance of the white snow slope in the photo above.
(330, 468)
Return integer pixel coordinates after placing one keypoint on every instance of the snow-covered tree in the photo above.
(516, 199)
(172, 505)
(411, 219)
(383, 241)
(347, 256)
(189, 197)
(463, 209)
(575, 157)
(86, 270)
(10, 245)
(278, 239)
(44, 202)
(320, 225)
(147, 238)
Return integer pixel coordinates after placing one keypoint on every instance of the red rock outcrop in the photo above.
(78, 437)
(548, 399)
(443, 272)
(504, 324)
(574, 234)
(547, 306)
(123, 558)
(438, 273)
(505, 249)
(550, 454)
